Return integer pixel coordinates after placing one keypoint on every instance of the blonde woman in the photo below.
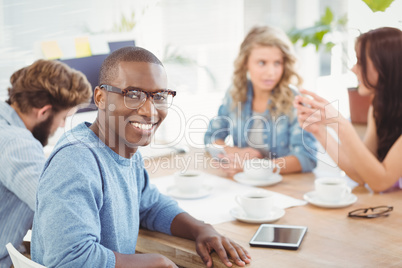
(257, 111)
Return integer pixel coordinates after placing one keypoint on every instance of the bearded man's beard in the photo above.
(41, 131)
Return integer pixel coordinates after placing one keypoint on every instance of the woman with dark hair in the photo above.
(376, 160)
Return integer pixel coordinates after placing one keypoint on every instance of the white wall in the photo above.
(208, 31)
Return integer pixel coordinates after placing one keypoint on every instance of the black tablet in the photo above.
(278, 236)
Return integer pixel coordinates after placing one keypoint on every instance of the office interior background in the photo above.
(196, 40)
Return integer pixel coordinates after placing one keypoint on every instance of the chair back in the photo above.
(19, 260)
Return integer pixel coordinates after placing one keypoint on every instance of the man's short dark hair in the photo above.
(109, 69)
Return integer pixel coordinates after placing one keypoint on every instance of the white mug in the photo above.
(256, 204)
(189, 181)
(260, 169)
(331, 190)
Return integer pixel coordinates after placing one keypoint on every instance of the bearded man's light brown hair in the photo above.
(48, 82)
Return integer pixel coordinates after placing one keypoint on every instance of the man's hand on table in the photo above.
(207, 240)
(210, 240)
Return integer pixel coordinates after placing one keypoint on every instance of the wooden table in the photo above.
(332, 239)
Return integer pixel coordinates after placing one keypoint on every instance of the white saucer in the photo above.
(312, 198)
(176, 193)
(241, 177)
(275, 214)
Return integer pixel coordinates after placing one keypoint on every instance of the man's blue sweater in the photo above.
(91, 201)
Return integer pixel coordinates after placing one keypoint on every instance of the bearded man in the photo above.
(41, 96)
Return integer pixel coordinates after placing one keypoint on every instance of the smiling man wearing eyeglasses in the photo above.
(138, 112)
(94, 193)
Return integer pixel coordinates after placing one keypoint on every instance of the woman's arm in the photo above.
(288, 164)
(380, 176)
(318, 122)
(332, 148)
(353, 155)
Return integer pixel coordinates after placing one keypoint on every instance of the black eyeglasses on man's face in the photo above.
(374, 212)
(135, 97)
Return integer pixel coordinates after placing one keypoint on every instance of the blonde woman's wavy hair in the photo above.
(281, 96)
(48, 82)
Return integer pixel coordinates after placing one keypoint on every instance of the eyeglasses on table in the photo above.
(372, 212)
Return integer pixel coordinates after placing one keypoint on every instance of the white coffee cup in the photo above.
(259, 169)
(256, 204)
(189, 181)
(331, 190)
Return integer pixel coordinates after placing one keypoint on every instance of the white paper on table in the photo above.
(215, 208)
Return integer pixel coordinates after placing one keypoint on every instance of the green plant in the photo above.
(126, 24)
(329, 31)
(378, 5)
(329, 25)
(315, 34)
